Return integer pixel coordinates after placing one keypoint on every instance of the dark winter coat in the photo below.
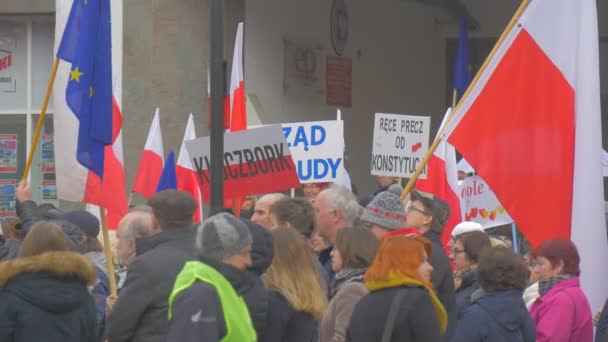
(285, 323)
(141, 311)
(499, 316)
(443, 280)
(463, 293)
(45, 298)
(416, 320)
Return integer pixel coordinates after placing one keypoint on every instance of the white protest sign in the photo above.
(317, 149)
(479, 204)
(400, 142)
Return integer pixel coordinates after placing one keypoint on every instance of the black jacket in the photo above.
(416, 320)
(468, 285)
(140, 313)
(45, 298)
(285, 323)
(443, 280)
(499, 316)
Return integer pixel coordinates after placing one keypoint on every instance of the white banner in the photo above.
(317, 149)
(400, 142)
(479, 204)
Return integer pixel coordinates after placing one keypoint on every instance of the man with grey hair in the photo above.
(336, 208)
(205, 304)
(140, 313)
(261, 211)
(134, 225)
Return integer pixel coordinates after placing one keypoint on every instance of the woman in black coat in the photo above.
(44, 294)
(401, 305)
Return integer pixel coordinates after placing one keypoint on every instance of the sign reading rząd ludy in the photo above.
(400, 142)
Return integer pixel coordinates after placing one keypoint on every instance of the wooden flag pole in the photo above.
(429, 153)
(130, 199)
(49, 89)
(107, 249)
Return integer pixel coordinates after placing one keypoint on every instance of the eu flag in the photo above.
(462, 72)
(87, 45)
(168, 178)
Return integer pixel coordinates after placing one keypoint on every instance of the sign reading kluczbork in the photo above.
(255, 161)
(317, 149)
(400, 142)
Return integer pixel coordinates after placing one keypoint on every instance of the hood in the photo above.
(262, 248)
(54, 281)
(242, 281)
(506, 307)
(468, 279)
(99, 260)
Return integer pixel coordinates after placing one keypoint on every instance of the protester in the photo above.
(383, 182)
(402, 305)
(261, 211)
(531, 293)
(13, 234)
(562, 312)
(386, 212)
(354, 251)
(89, 227)
(44, 295)
(140, 313)
(465, 253)
(312, 190)
(497, 312)
(601, 319)
(296, 296)
(429, 213)
(247, 207)
(461, 228)
(205, 305)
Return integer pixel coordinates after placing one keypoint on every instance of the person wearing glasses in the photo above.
(465, 254)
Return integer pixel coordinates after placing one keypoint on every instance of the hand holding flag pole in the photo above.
(433, 147)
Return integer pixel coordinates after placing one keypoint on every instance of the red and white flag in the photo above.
(74, 181)
(238, 109)
(186, 176)
(151, 163)
(442, 181)
(531, 128)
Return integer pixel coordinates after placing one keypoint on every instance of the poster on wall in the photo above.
(479, 203)
(400, 143)
(7, 197)
(47, 154)
(49, 190)
(8, 153)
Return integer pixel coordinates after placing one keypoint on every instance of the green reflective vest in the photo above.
(239, 327)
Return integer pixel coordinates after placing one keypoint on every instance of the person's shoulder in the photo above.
(199, 289)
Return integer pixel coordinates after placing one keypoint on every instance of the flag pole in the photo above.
(49, 88)
(107, 249)
(130, 199)
(433, 147)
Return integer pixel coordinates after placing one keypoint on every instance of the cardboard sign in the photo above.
(479, 204)
(256, 161)
(400, 142)
(317, 149)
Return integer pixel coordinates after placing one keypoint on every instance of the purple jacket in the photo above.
(563, 314)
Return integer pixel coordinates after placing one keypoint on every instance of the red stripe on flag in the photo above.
(148, 174)
(187, 181)
(239, 110)
(519, 136)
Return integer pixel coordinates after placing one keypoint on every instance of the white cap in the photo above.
(466, 227)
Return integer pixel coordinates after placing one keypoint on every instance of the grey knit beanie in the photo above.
(386, 209)
(222, 236)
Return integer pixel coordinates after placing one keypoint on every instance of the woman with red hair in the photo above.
(562, 312)
(401, 305)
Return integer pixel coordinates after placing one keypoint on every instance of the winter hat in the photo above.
(466, 227)
(386, 209)
(87, 222)
(222, 236)
(73, 233)
(437, 207)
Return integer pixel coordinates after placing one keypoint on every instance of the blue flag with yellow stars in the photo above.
(87, 45)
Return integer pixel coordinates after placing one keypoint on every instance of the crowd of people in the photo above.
(325, 267)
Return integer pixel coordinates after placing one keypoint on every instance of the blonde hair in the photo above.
(294, 274)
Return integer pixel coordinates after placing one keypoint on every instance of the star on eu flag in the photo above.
(75, 75)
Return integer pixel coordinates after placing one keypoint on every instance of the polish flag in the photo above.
(186, 176)
(75, 182)
(151, 163)
(238, 113)
(531, 127)
(442, 181)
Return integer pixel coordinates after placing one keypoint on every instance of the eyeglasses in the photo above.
(410, 207)
(457, 251)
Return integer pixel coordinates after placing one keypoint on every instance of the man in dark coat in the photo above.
(141, 311)
(428, 213)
